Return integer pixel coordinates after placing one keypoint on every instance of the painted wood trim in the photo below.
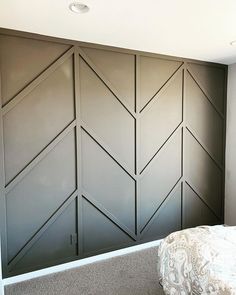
(28, 35)
(39, 157)
(136, 115)
(33, 84)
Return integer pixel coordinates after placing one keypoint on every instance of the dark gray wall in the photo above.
(103, 148)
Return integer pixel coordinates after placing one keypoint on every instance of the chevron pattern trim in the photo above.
(103, 149)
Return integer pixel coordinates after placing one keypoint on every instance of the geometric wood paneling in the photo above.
(104, 114)
(201, 215)
(204, 120)
(160, 226)
(118, 68)
(154, 73)
(103, 148)
(160, 177)
(203, 174)
(22, 60)
(99, 232)
(38, 123)
(54, 245)
(204, 145)
(211, 79)
(37, 196)
(160, 119)
(34, 122)
(107, 182)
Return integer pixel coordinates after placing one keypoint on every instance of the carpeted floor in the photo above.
(131, 274)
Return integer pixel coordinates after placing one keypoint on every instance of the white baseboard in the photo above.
(77, 263)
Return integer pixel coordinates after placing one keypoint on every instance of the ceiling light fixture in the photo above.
(233, 43)
(77, 7)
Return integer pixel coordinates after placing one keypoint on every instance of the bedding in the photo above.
(199, 260)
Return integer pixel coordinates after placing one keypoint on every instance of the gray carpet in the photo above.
(131, 274)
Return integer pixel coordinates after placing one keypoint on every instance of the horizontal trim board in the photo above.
(35, 36)
(78, 263)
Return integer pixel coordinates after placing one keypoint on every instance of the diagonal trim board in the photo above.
(39, 233)
(44, 75)
(18, 72)
(158, 223)
(106, 82)
(193, 189)
(208, 179)
(94, 216)
(150, 162)
(99, 169)
(160, 92)
(60, 236)
(157, 211)
(190, 130)
(38, 118)
(107, 214)
(201, 197)
(154, 184)
(211, 81)
(39, 157)
(206, 95)
(161, 119)
(42, 200)
(102, 112)
(122, 79)
(203, 214)
(204, 120)
(108, 150)
(49, 147)
(154, 74)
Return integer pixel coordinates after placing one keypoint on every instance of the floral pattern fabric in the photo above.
(199, 260)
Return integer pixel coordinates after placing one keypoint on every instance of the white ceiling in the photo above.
(199, 29)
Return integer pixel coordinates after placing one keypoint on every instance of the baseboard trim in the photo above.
(77, 263)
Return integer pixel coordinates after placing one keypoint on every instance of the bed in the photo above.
(199, 260)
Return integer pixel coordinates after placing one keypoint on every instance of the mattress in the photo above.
(199, 260)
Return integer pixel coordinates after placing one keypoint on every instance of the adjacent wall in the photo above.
(1, 281)
(103, 148)
(230, 179)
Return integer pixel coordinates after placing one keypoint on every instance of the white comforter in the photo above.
(199, 260)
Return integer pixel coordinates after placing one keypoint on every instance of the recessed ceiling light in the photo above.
(233, 43)
(78, 7)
